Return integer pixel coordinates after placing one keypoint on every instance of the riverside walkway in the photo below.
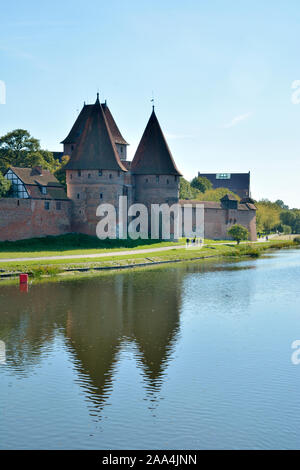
(115, 253)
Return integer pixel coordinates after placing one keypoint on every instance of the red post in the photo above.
(23, 278)
(23, 287)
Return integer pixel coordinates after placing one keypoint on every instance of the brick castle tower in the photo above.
(98, 171)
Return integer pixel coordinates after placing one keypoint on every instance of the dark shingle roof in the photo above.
(153, 155)
(117, 136)
(76, 131)
(95, 148)
(78, 126)
(216, 205)
(34, 181)
(57, 193)
(228, 197)
(31, 176)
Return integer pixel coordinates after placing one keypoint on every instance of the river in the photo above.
(189, 356)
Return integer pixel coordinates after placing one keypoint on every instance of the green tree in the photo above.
(60, 173)
(216, 194)
(201, 183)
(19, 148)
(4, 186)
(288, 218)
(267, 215)
(186, 191)
(281, 204)
(238, 233)
(286, 229)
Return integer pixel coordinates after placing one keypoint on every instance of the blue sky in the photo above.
(221, 73)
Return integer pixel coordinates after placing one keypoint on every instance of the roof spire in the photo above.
(95, 147)
(97, 100)
(153, 156)
(152, 101)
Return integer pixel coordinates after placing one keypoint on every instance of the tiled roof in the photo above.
(95, 148)
(53, 192)
(153, 155)
(77, 129)
(78, 126)
(228, 197)
(31, 176)
(117, 136)
(34, 181)
(215, 204)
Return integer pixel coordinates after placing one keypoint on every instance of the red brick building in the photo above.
(98, 172)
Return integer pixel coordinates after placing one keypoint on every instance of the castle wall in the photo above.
(122, 151)
(88, 191)
(217, 222)
(150, 190)
(28, 218)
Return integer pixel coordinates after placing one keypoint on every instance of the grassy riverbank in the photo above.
(77, 244)
(40, 268)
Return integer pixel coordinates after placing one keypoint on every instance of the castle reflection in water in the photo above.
(97, 319)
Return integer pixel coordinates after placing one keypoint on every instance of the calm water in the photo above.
(189, 356)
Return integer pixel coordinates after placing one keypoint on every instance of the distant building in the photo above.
(239, 183)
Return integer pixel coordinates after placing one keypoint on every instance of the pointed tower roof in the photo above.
(95, 148)
(78, 125)
(153, 155)
(117, 136)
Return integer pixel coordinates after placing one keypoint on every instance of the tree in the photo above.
(267, 215)
(60, 173)
(286, 229)
(201, 183)
(238, 233)
(4, 186)
(19, 148)
(281, 204)
(186, 191)
(288, 218)
(216, 194)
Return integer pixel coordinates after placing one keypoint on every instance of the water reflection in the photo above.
(105, 317)
(2, 352)
(100, 318)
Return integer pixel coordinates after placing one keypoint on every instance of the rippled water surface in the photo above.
(192, 356)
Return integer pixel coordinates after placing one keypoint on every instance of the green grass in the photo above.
(73, 244)
(39, 268)
(78, 244)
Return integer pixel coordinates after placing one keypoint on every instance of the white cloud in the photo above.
(236, 120)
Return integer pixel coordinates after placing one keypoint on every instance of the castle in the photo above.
(98, 172)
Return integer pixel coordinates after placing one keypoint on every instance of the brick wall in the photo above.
(88, 190)
(28, 218)
(217, 222)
